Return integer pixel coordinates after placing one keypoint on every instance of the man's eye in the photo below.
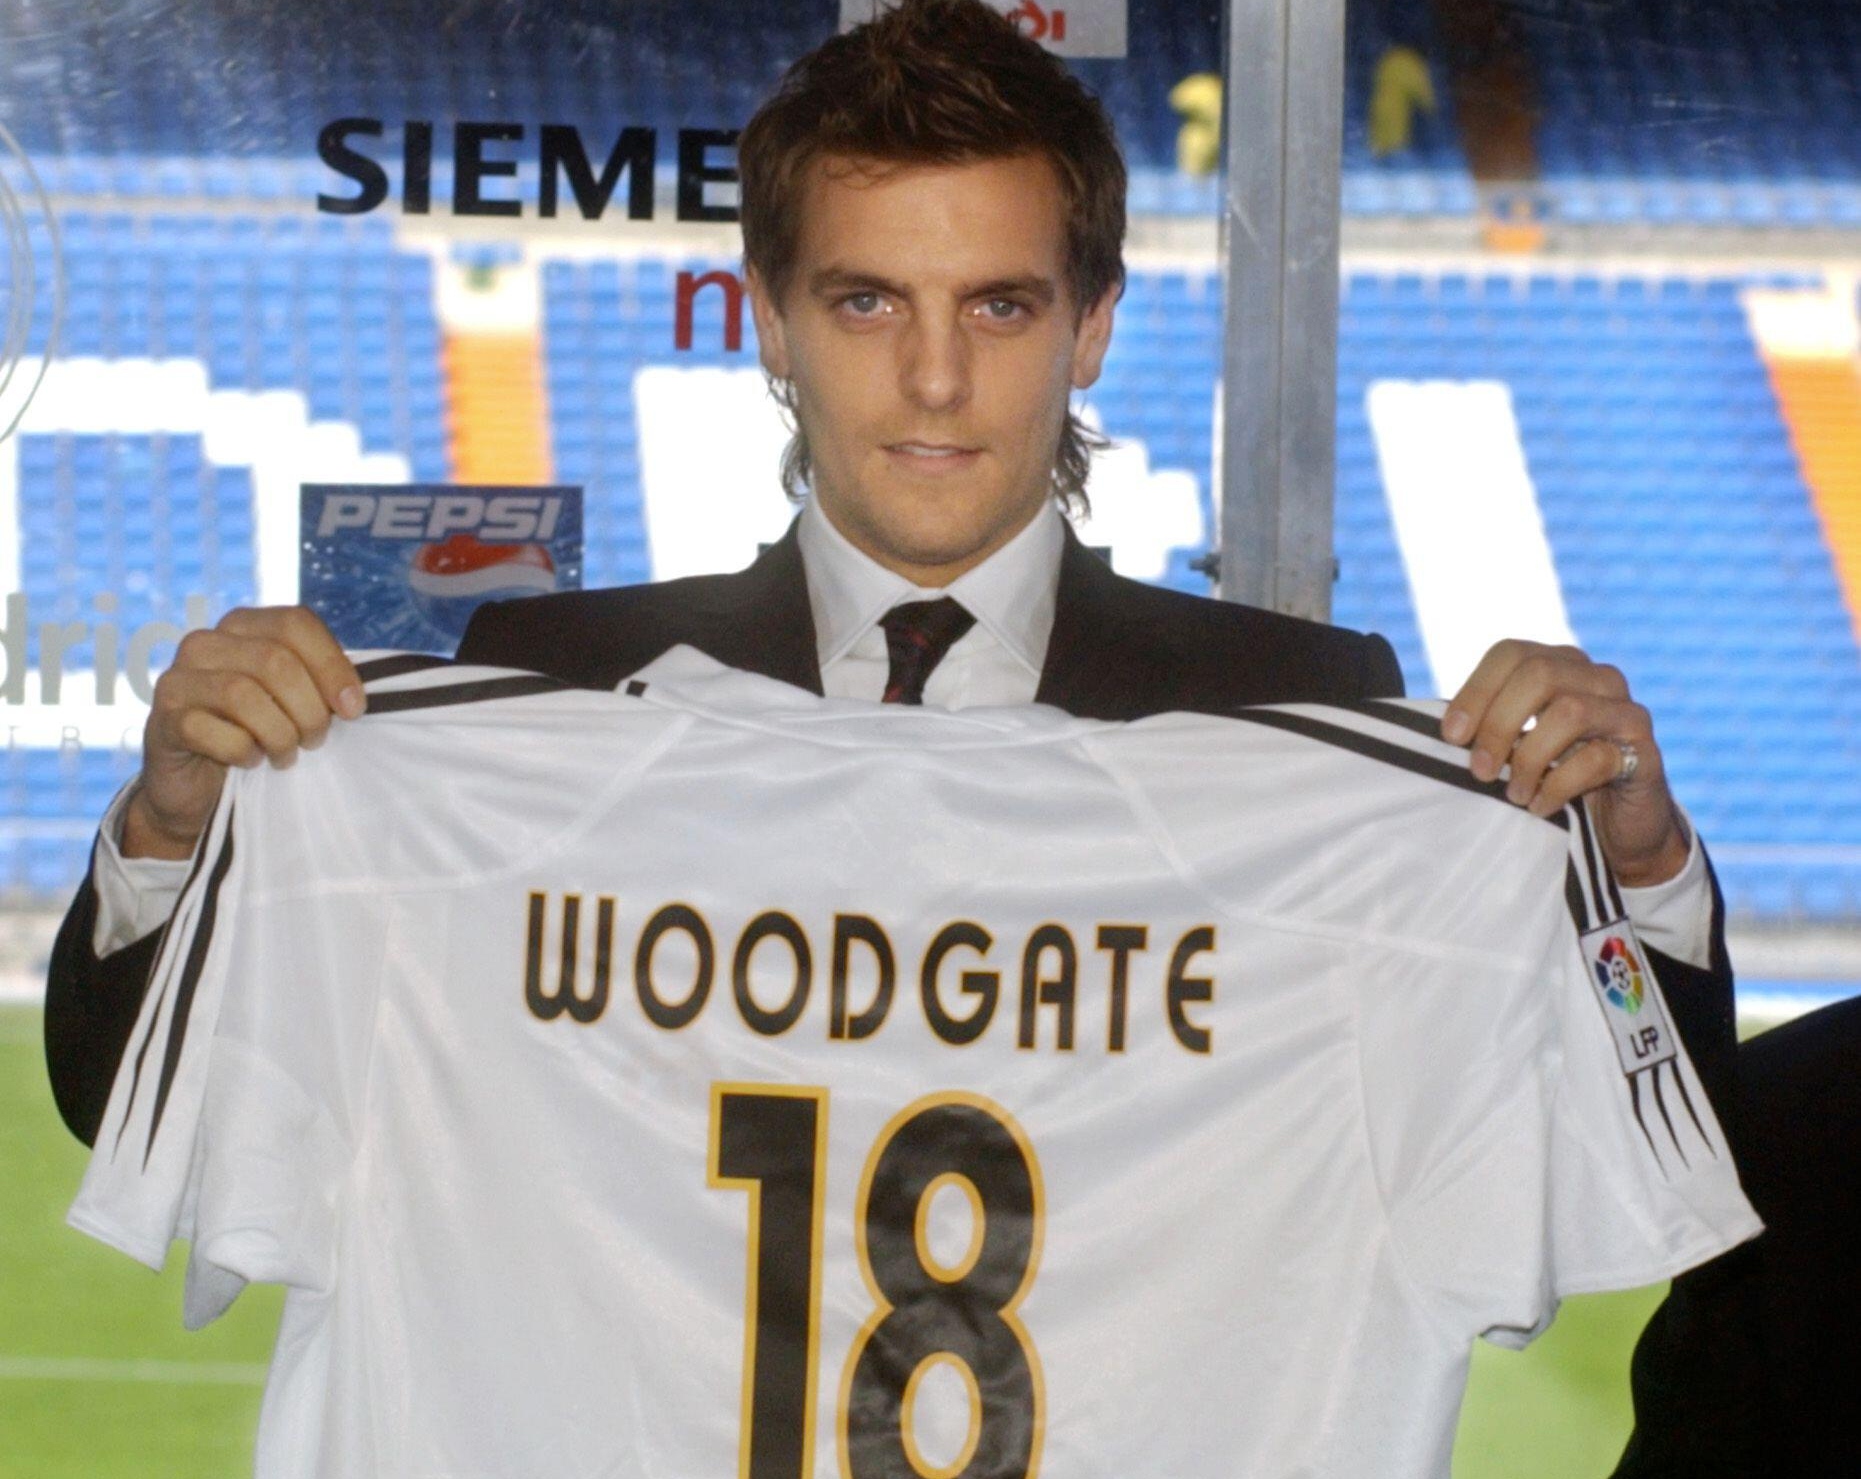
(861, 303)
(1004, 310)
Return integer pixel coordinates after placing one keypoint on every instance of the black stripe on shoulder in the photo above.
(1578, 901)
(161, 993)
(479, 691)
(399, 663)
(1376, 749)
(635, 688)
(1608, 875)
(190, 978)
(1426, 725)
(1608, 900)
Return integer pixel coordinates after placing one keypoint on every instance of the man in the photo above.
(1748, 1366)
(933, 216)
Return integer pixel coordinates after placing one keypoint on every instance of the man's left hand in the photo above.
(1586, 731)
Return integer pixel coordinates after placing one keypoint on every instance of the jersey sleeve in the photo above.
(1587, 1156)
(286, 1094)
(235, 1114)
(230, 1121)
(137, 1190)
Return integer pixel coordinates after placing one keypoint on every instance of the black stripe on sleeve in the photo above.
(397, 664)
(160, 988)
(1634, 1096)
(1384, 750)
(1427, 725)
(478, 691)
(1680, 1082)
(190, 978)
(1660, 1103)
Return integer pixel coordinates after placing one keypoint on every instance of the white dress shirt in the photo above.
(997, 661)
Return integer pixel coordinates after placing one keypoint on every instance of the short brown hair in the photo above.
(936, 82)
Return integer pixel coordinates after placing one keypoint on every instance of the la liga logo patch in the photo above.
(1630, 1000)
(1619, 975)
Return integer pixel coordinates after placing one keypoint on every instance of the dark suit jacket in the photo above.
(1750, 1366)
(1119, 650)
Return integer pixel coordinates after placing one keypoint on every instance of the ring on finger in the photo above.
(1630, 762)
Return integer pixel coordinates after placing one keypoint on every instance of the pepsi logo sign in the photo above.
(423, 516)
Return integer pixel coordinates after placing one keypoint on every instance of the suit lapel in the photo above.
(760, 620)
(1089, 668)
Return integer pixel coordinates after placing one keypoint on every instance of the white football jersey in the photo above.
(707, 1079)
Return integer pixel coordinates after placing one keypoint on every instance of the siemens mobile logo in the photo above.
(1076, 28)
(496, 151)
(427, 516)
(1039, 24)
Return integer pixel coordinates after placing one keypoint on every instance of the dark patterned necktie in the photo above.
(917, 635)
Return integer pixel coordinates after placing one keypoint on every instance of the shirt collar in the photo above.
(1011, 594)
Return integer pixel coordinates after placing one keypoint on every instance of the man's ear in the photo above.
(771, 340)
(1093, 338)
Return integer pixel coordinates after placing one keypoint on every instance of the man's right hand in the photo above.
(260, 686)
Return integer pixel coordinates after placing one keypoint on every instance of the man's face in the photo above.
(931, 339)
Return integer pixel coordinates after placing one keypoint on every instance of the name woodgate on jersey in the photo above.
(959, 986)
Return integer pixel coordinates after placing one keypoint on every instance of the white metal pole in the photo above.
(1282, 136)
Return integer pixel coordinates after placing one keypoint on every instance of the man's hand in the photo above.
(260, 685)
(1584, 719)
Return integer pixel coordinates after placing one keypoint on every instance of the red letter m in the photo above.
(689, 285)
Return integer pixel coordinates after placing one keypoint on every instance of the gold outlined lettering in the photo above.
(774, 924)
(1057, 991)
(985, 986)
(1184, 989)
(546, 1006)
(851, 929)
(1120, 940)
(659, 1012)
